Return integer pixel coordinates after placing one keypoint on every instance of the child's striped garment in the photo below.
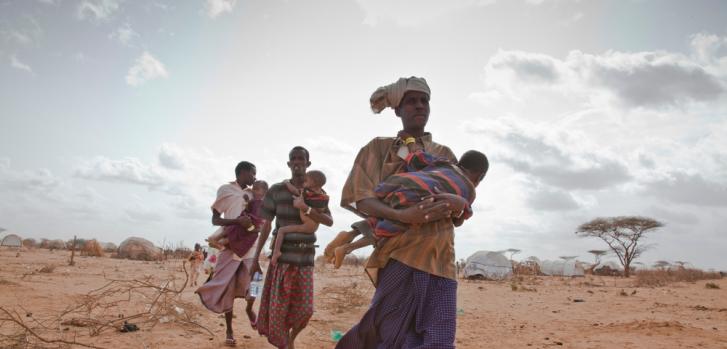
(424, 173)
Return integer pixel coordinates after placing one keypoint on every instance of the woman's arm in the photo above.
(217, 219)
(427, 211)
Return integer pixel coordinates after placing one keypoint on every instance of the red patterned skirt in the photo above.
(286, 302)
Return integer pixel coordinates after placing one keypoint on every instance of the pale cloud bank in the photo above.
(556, 157)
(97, 9)
(146, 68)
(218, 7)
(413, 12)
(128, 170)
(632, 79)
(124, 34)
(17, 64)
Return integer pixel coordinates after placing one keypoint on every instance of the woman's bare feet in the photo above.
(251, 316)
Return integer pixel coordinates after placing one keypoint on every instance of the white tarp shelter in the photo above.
(488, 264)
(561, 268)
(11, 240)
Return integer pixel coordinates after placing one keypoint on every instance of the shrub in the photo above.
(30, 243)
(712, 285)
(663, 277)
(92, 248)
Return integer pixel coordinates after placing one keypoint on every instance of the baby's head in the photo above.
(259, 189)
(475, 166)
(197, 247)
(314, 180)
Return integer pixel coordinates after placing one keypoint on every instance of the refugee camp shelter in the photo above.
(561, 268)
(489, 265)
(11, 240)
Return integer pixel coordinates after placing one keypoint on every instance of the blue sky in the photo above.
(121, 118)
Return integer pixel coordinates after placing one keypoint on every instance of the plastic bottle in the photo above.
(256, 285)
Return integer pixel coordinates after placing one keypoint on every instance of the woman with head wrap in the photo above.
(414, 272)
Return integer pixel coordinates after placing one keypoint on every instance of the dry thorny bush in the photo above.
(663, 277)
(341, 298)
(146, 302)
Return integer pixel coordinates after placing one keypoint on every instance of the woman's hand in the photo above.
(456, 202)
(427, 211)
(244, 221)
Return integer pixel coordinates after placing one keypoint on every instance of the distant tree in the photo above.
(29, 243)
(567, 258)
(597, 256)
(512, 252)
(681, 264)
(622, 235)
(661, 264)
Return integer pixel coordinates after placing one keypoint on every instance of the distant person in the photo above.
(232, 272)
(315, 197)
(195, 263)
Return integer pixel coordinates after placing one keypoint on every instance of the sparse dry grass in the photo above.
(92, 248)
(663, 277)
(712, 285)
(4, 282)
(48, 268)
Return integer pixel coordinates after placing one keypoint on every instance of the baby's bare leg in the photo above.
(345, 249)
(309, 226)
(344, 237)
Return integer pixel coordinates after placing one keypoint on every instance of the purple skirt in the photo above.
(231, 279)
(410, 309)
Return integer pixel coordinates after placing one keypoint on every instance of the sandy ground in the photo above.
(544, 312)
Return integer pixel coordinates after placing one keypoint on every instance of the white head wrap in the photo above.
(391, 95)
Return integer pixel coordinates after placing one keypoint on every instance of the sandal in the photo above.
(230, 342)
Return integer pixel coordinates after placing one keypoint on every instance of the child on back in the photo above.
(425, 176)
(315, 197)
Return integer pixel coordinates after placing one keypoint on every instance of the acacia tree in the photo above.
(512, 252)
(621, 234)
(597, 255)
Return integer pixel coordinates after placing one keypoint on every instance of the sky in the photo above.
(122, 118)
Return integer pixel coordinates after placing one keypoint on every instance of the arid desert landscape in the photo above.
(44, 299)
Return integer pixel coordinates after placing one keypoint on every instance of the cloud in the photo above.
(413, 12)
(557, 157)
(218, 7)
(40, 180)
(171, 157)
(552, 200)
(707, 46)
(141, 215)
(527, 67)
(633, 79)
(124, 34)
(97, 9)
(127, 170)
(21, 30)
(681, 187)
(146, 68)
(17, 64)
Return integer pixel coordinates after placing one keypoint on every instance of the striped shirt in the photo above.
(428, 247)
(278, 204)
